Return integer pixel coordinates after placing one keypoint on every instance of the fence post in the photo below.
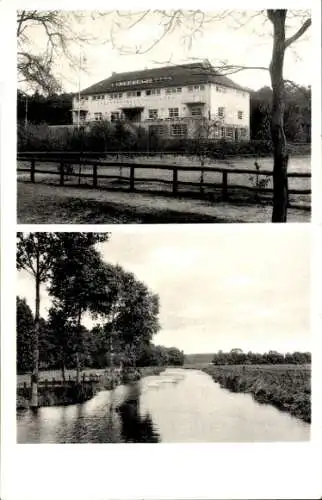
(225, 186)
(132, 178)
(32, 171)
(61, 180)
(175, 181)
(202, 173)
(94, 176)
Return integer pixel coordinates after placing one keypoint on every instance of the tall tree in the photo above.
(35, 255)
(79, 284)
(40, 254)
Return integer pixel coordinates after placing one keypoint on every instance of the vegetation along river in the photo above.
(177, 406)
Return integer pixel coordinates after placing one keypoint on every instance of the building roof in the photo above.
(167, 76)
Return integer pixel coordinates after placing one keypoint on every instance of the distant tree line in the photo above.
(56, 109)
(238, 357)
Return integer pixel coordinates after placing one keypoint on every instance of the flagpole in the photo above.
(79, 87)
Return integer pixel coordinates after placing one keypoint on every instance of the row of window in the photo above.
(181, 130)
(149, 92)
(153, 114)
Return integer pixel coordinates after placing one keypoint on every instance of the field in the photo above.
(160, 180)
(288, 387)
(152, 202)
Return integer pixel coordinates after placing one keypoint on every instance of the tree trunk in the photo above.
(280, 184)
(78, 371)
(78, 377)
(35, 350)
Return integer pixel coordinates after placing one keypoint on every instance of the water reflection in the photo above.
(176, 406)
(134, 427)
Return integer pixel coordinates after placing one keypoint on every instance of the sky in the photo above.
(243, 41)
(244, 286)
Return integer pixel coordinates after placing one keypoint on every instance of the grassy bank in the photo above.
(287, 387)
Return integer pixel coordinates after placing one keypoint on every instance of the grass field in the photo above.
(288, 387)
(44, 204)
(296, 164)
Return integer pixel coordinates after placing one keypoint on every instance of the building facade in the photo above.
(173, 101)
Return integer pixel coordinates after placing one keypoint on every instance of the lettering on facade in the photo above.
(141, 81)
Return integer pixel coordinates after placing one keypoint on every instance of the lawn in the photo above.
(161, 179)
(47, 204)
(288, 387)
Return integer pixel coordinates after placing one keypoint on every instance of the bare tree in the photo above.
(45, 37)
(192, 24)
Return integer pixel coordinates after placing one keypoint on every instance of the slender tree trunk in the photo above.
(78, 371)
(63, 372)
(35, 350)
(280, 184)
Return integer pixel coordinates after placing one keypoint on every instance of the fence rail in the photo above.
(70, 380)
(99, 171)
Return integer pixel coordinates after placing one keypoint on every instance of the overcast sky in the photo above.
(241, 286)
(250, 44)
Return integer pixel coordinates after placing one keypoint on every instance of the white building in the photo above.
(175, 101)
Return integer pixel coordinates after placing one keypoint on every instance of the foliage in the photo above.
(152, 355)
(25, 332)
(297, 114)
(238, 357)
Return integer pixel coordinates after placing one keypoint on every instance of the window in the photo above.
(115, 115)
(221, 112)
(179, 130)
(153, 114)
(173, 112)
(240, 115)
(196, 111)
(179, 89)
(222, 132)
(191, 88)
(153, 92)
(243, 132)
(135, 93)
(98, 116)
(230, 132)
(158, 129)
(117, 95)
(221, 89)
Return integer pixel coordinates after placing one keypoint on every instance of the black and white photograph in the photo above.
(155, 117)
(161, 234)
(151, 337)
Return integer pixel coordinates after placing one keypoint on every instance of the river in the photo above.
(177, 406)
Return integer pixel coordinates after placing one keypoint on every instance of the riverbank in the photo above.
(287, 387)
(55, 392)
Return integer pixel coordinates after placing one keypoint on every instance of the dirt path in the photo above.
(53, 204)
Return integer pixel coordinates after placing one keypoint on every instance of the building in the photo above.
(172, 101)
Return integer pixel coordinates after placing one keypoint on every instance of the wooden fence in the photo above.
(99, 171)
(70, 380)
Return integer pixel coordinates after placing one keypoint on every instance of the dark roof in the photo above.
(167, 76)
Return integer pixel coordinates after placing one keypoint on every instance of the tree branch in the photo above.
(305, 26)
